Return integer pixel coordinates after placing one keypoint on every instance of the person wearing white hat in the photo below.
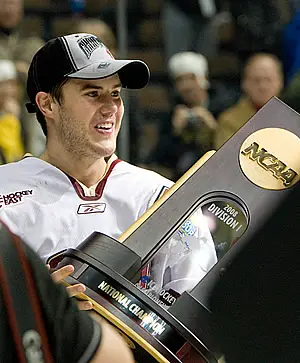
(9, 88)
(11, 144)
(191, 125)
(190, 25)
(19, 47)
(7, 70)
(189, 72)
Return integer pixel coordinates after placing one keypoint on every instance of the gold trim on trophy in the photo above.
(123, 328)
(166, 195)
(131, 334)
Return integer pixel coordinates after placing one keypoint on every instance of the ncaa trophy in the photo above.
(231, 194)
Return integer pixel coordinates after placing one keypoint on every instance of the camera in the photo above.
(192, 119)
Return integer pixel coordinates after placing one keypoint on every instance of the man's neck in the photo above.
(255, 106)
(85, 170)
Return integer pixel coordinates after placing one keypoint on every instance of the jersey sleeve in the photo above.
(158, 192)
(73, 335)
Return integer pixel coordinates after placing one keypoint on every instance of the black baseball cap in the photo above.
(82, 56)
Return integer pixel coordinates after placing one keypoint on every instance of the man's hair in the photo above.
(262, 55)
(56, 94)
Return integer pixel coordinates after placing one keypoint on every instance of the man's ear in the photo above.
(45, 103)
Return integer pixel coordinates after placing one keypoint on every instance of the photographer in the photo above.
(11, 143)
(189, 133)
(261, 80)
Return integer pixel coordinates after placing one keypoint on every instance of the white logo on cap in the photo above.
(89, 44)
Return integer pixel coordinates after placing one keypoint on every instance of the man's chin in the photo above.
(262, 101)
(105, 152)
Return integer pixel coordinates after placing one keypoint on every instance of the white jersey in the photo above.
(51, 212)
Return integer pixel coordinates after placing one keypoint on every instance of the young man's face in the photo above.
(89, 117)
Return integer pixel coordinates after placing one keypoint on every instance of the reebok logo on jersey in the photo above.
(14, 198)
(91, 208)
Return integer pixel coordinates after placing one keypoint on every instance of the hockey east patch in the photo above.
(14, 198)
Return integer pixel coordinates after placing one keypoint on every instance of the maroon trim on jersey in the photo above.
(100, 187)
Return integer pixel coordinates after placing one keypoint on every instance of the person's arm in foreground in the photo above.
(112, 348)
(73, 334)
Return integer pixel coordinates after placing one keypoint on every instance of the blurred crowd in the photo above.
(214, 64)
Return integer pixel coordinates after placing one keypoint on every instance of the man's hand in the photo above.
(182, 113)
(74, 290)
(111, 338)
(205, 116)
(179, 120)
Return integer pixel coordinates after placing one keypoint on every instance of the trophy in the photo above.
(163, 310)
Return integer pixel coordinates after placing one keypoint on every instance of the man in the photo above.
(189, 25)
(262, 79)
(20, 49)
(13, 45)
(70, 334)
(11, 145)
(79, 186)
(189, 133)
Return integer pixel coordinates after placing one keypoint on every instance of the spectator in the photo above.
(188, 26)
(20, 50)
(190, 130)
(262, 79)
(100, 29)
(11, 146)
(9, 88)
(257, 26)
(12, 45)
